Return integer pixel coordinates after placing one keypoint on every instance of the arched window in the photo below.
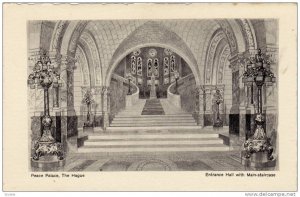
(133, 65)
(166, 66)
(172, 63)
(149, 67)
(166, 70)
(139, 66)
(156, 67)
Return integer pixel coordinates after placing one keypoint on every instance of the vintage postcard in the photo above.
(150, 97)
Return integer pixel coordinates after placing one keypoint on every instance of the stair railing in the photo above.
(172, 97)
(135, 91)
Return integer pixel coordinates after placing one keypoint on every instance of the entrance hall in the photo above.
(153, 94)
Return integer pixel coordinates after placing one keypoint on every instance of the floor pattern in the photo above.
(177, 161)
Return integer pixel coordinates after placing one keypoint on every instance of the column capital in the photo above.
(105, 90)
(97, 89)
(199, 90)
(67, 62)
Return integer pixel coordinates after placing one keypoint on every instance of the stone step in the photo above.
(149, 124)
(155, 116)
(153, 128)
(153, 120)
(152, 142)
(177, 148)
(152, 136)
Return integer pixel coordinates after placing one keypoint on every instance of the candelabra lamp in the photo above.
(47, 152)
(176, 75)
(218, 99)
(88, 101)
(258, 151)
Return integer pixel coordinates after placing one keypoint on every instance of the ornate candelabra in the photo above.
(176, 75)
(258, 72)
(218, 99)
(45, 75)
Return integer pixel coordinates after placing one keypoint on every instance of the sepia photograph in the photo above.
(156, 95)
(150, 97)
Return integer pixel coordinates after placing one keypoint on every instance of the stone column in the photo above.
(208, 117)
(237, 117)
(68, 116)
(199, 108)
(271, 94)
(105, 107)
(97, 109)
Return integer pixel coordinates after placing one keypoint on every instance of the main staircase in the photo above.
(153, 113)
(158, 127)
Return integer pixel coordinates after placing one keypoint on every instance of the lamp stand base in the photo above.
(48, 163)
(218, 123)
(47, 155)
(258, 161)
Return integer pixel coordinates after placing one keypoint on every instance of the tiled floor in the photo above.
(178, 161)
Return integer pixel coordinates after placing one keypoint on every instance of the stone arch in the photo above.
(153, 34)
(221, 64)
(58, 33)
(97, 66)
(89, 58)
(217, 37)
(71, 37)
(83, 62)
(248, 33)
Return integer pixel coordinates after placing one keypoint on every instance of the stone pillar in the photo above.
(105, 112)
(97, 109)
(199, 108)
(271, 94)
(236, 119)
(68, 115)
(208, 117)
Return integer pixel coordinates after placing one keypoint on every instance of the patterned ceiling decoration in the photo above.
(110, 34)
(155, 33)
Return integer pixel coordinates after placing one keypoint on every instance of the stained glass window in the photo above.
(172, 63)
(156, 67)
(133, 65)
(139, 66)
(149, 67)
(166, 66)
